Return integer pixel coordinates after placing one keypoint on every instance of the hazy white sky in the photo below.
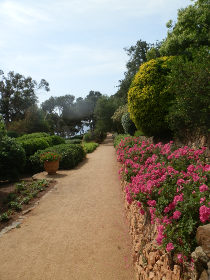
(77, 45)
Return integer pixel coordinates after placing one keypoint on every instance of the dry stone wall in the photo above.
(152, 263)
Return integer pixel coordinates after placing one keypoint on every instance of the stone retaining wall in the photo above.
(152, 263)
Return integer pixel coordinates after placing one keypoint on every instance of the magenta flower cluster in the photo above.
(171, 184)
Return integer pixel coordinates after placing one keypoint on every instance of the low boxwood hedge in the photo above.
(90, 147)
(73, 141)
(33, 135)
(32, 145)
(71, 155)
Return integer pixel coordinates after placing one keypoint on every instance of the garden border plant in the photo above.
(23, 197)
(172, 184)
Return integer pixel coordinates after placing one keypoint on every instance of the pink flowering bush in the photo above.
(172, 185)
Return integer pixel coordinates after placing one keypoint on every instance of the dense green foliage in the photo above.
(74, 141)
(38, 141)
(191, 31)
(32, 145)
(189, 82)
(104, 110)
(32, 136)
(12, 159)
(71, 155)
(148, 97)
(17, 95)
(127, 124)
(89, 147)
(96, 135)
(117, 117)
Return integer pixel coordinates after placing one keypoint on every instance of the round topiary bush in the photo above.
(149, 98)
(12, 158)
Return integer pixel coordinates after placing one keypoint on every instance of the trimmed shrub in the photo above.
(127, 124)
(54, 140)
(90, 147)
(71, 155)
(148, 97)
(33, 135)
(32, 145)
(12, 158)
(73, 141)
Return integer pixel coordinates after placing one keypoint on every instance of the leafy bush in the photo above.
(87, 137)
(89, 147)
(96, 135)
(118, 138)
(99, 135)
(22, 194)
(71, 155)
(56, 140)
(73, 141)
(170, 183)
(189, 82)
(148, 97)
(32, 145)
(33, 135)
(12, 158)
(127, 124)
(117, 117)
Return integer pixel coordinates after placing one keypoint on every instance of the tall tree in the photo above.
(137, 56)
(191, 30)
(17, 94)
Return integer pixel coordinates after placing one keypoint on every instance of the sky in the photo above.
(78, 45)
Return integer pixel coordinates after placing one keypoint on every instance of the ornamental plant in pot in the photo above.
(51, 162)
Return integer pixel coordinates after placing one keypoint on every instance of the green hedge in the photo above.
(12, 158)
(71, 155)
(33, 135)
(32, 145)
(90, 147)
(73, 141)
(38, 141)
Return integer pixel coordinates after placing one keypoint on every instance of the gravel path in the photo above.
(77, 232)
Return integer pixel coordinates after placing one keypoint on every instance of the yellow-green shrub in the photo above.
(148, 97)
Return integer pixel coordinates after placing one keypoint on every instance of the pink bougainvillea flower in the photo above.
(203, 188)
(151, 203)
(170, 247)
(202, 199)
(176, 215)
(204, 213)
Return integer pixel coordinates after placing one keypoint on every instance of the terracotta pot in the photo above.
(51, 166)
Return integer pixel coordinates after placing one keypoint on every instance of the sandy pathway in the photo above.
(77, 232)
